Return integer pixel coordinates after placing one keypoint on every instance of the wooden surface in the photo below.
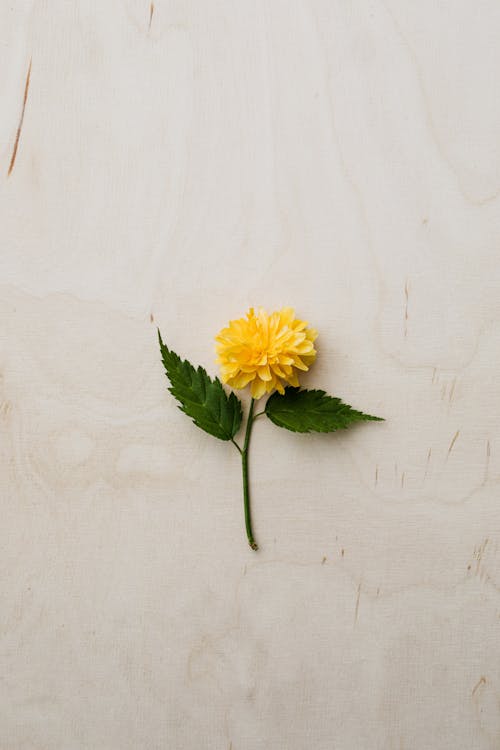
(171, 164)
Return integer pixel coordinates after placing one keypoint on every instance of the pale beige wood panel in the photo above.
(170, 164)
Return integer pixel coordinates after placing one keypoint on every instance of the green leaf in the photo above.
(200, 397)
(301, 410)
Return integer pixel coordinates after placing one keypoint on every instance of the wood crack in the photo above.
(21, 120)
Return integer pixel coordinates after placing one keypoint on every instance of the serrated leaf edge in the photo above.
(232, 400)
(358, 416)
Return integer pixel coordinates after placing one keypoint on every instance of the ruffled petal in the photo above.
(258, 388)
(265, 351)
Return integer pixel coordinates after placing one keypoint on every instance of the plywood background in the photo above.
(177, 162)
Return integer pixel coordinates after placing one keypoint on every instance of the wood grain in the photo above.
(177, 163)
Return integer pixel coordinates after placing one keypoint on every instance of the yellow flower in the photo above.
(265, 350)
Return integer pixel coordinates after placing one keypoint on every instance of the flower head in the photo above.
(265, 350)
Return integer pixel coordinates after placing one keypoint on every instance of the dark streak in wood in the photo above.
(151, 11)
(487, 462)
(452, 391)
(407, 294)
(21, 120)
(429, 453)
(481, 681)
(478, 554)
(356, 611)
(454, 440)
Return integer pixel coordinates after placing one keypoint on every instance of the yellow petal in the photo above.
(258, 388)
(292, 379)
(297, 362)
(265, 350)
(279, 387)
(241, 380)
(287, 314)
(305, 347)
(264, 373)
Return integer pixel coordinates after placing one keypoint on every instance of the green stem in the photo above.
(244, 464)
